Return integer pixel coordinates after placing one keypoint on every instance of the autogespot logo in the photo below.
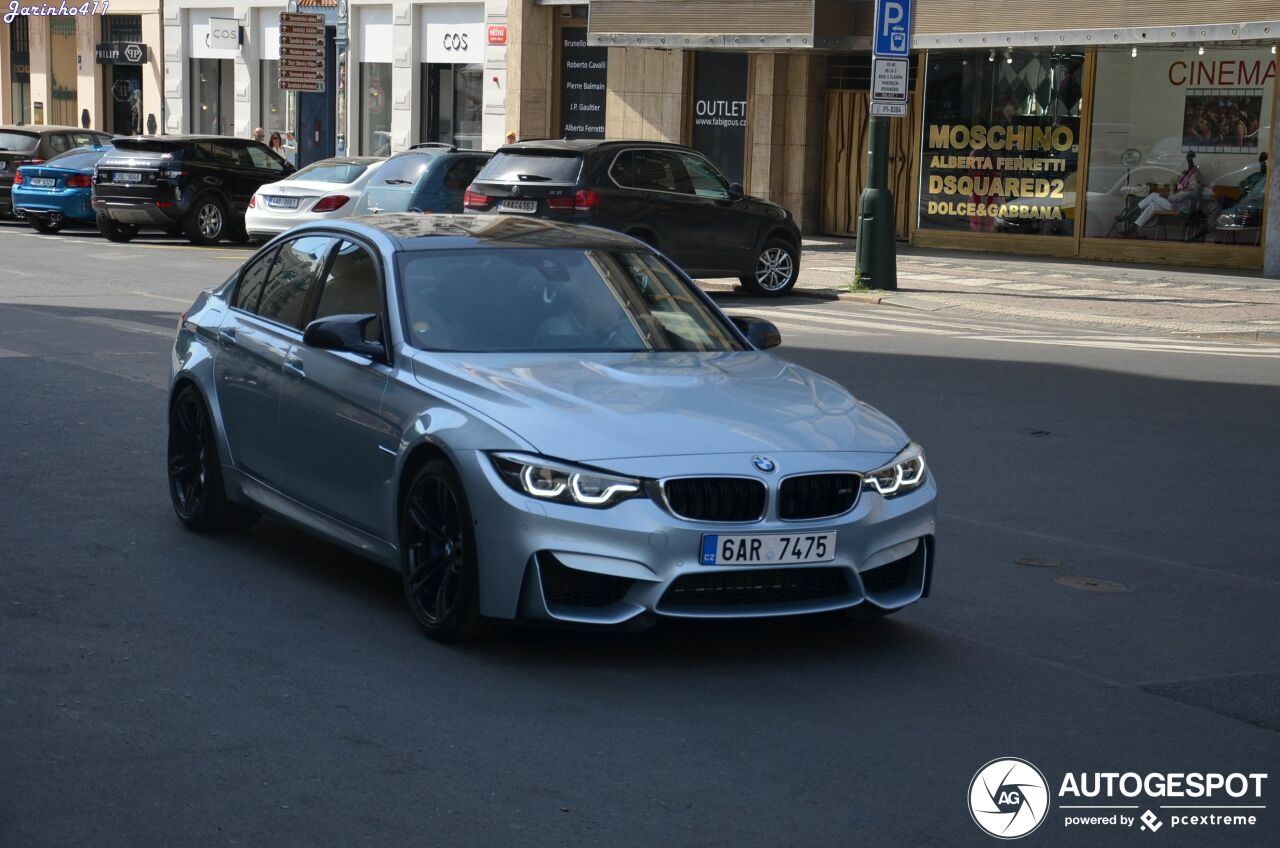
(1008, 798)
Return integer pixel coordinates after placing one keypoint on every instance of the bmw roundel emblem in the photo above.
(515, 191)
(764, 463)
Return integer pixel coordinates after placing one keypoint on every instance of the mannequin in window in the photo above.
(1185, 191)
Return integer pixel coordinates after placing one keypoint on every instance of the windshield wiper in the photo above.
(532, 178)
(396, 181)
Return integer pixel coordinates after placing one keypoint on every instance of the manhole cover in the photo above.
(1091, 584)
(1037, 562)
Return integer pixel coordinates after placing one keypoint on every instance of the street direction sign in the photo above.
(888, 110)
(889, 80)
(301, 51)
(893, 29)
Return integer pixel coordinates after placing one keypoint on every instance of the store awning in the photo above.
(731, 24)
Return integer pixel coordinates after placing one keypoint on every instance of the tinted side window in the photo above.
(624, 169)
(460, 174)
(658, 170)
(226, 155)
(250, 290)
(58, 143)
(705, 179)
(297, 265)
(263, 159)
(351, 288)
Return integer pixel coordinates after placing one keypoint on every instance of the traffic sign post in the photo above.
(876, 264)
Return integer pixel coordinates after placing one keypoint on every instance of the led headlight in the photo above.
(905, 473)
(549, 480)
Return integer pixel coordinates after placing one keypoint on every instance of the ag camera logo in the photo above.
(1008, 798)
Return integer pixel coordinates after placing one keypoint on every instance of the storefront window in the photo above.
(375, 110)
(122, 83)
(1001, 141)
(273, 98)
(1178, 136)
(211, 81)
(62, 72)
(454, 106)
(20, 79)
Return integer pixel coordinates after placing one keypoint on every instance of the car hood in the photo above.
(593, 407)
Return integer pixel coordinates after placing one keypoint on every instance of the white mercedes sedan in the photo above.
(321, 191)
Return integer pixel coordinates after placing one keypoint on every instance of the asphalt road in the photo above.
(161, 688)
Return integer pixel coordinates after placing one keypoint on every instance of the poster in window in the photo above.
(720, 110)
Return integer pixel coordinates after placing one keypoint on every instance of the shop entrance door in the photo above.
(844, 166)
(318, 111)
(124, 99)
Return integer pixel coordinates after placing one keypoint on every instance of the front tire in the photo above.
(195, 472)
(775, 271)
(206, 222)
(44, 225)
(114, 230)
(438, 563)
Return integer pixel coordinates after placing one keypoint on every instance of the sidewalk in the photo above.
(1154, 298)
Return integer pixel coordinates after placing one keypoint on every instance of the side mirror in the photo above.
(345, 333)
(736, 191)
(761, 333)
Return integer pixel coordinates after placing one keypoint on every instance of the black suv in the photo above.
(26, 145)
(666, 195)
(194, 184)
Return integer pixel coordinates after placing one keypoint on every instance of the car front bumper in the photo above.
(551, 562)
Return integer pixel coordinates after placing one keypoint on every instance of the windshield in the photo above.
(20, 141)
(375, 201)
(82, 158)
(512, 300)
(330, 172)
(532, 167)
(404, 169)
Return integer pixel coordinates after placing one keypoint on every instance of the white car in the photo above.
(321, 191)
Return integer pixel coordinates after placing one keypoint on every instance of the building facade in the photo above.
(395, 74)
(98, 71)
(1051, 130)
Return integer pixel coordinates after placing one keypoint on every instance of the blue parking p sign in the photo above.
(893, 28)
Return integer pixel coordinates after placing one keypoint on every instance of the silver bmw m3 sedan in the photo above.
(536, 421)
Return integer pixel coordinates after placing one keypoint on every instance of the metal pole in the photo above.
(876, 263)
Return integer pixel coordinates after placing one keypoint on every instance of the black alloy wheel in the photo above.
(195, 475)
(775, 271)
(438, 556)
(114, 230)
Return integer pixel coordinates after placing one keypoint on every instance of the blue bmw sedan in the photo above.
(536, 421)
(52, 194)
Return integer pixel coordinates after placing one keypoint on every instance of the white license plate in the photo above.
(126, 177)
(282, 202)
(768, 550)
(525, 206)
(43, 182)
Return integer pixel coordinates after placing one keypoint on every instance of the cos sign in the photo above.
(453, 42)
(224, 34)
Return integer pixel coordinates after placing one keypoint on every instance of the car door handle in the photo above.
(293, 365)
(227, 338)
